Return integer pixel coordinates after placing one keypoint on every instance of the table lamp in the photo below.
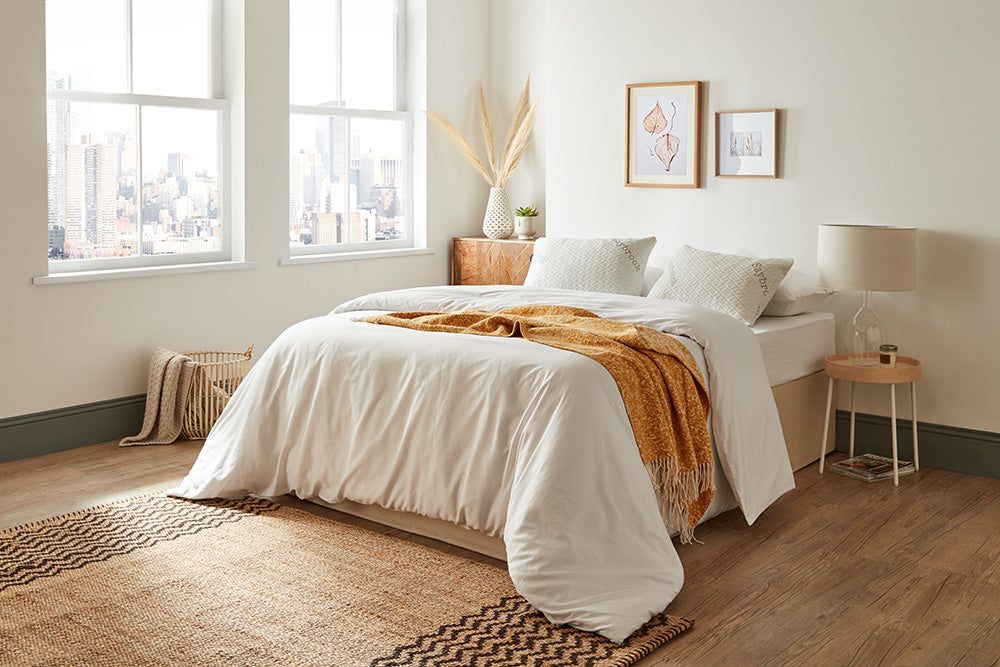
(869, 259)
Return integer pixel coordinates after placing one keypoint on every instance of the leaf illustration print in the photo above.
(664, 146)
(666, 149)
(655, 122)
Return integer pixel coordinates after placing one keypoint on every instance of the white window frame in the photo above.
(216, 102)
(400, 114)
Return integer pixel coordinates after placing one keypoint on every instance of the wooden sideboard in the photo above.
(478, 260)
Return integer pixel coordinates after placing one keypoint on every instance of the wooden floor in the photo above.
(837, 572)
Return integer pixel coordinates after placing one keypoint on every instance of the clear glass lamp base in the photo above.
(865, 335)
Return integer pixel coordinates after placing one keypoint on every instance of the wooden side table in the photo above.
(483, 261)
(906, 370)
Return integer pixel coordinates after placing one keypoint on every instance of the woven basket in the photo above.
(216, 376)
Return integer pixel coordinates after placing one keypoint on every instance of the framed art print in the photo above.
(663, 145)
(745, 143)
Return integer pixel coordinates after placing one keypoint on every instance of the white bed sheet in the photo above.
(554, 471)
(796, 346)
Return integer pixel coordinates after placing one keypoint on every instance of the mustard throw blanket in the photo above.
(660, 383)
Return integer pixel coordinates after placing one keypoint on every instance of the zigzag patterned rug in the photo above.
(161, 581)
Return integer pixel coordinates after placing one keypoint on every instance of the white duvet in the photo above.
(518, 440)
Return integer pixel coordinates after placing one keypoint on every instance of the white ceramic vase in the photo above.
(498, 223)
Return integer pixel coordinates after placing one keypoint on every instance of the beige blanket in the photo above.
(167, 394)
(660, 383)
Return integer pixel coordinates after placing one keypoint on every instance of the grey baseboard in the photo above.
(945, 447)
(55, 430)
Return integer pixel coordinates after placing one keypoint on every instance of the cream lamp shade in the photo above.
(867, 258)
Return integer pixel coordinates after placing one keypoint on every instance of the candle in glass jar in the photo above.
(887, 355)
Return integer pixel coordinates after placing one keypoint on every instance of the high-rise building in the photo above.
(101, 194)
(170, 189)
(201, 192)
(327, 229)
(117, 139)
(176, 164)
(296, 203)
(80, 115)
(57, 242)
(74, 196)
(312, 178)
(331, 141)
(183, 207)
(57, 127)
(91, 197)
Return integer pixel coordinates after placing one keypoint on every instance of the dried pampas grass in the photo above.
(518, 138)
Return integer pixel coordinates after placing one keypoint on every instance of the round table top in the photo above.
(906, 369)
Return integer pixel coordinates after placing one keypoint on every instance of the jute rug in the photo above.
(161, 581)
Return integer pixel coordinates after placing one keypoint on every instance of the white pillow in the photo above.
(653, 274)
(590, 265)
(731, 284)
(797, 293)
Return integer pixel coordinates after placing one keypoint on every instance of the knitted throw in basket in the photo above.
(185, 394)
(216, 377)
(167, 391)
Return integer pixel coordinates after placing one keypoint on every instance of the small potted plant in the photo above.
(524, 222)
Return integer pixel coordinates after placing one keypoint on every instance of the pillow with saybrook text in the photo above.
(731, 284)
(590, 265)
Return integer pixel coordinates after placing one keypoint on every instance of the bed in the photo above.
(539, 469)
(794, 350)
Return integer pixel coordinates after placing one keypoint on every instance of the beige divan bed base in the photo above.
(801, 406)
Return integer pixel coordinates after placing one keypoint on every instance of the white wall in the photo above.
(888, 117)
(70, 344)
(517, 50)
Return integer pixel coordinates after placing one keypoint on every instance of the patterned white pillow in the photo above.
(731, 284)
(590, 265)
(797, 293)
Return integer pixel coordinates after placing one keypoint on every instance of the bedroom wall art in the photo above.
(664, 134)
(746, 143)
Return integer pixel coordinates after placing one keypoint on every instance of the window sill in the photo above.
(348, 256)
(140, 272)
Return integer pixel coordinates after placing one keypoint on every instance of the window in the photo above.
(136, 145)
(349, 137)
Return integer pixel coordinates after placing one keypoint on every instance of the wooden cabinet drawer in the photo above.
(483, 261)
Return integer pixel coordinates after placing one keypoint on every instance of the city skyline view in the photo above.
(346, 190)
(347, 176)
(129, 179)
(97, 209)
(126, 180)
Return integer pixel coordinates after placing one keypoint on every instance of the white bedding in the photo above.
(518, 440)
(796, 346)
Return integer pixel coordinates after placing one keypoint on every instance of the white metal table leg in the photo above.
(826, 424)
(895, 453)
(913, 411)
(851, 454)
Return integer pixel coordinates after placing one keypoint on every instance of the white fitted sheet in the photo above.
(796, 346)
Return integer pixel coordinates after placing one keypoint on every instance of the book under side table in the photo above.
(906, 371)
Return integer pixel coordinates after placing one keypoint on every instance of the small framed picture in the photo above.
(745, 143)
(663, 144)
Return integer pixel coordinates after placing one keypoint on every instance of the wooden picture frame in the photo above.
(746, 143)
(663, 141)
